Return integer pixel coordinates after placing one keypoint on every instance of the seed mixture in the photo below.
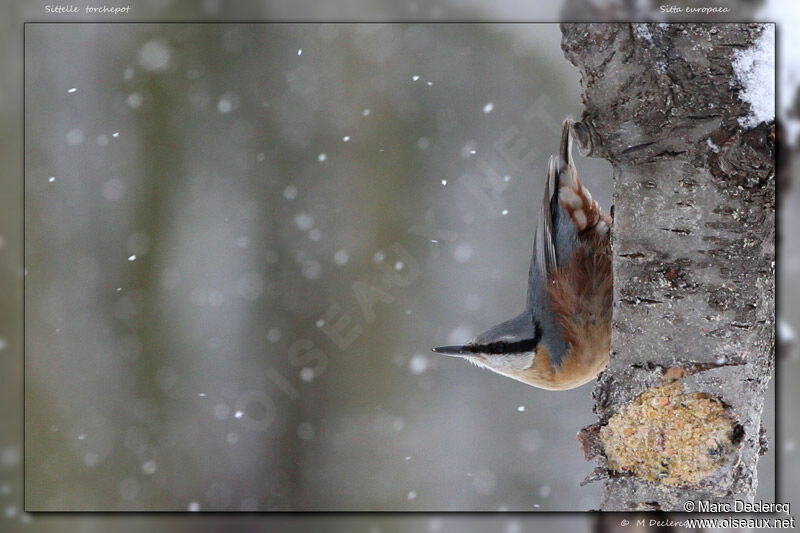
(668, 436)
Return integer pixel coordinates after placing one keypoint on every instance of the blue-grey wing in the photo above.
(554, 240)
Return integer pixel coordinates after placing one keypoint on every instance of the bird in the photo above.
(563, 337)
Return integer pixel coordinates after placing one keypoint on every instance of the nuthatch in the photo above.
(562, 339)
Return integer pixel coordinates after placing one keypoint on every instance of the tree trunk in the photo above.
(694, 248)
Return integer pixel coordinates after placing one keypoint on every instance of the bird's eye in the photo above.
(510, 346)
(503, 347)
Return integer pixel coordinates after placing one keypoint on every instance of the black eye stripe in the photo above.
(502, 347)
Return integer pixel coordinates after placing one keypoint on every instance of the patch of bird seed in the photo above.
(668, 436)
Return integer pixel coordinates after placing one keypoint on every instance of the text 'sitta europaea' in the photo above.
(562, 338)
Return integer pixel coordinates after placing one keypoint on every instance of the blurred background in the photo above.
(242, 241)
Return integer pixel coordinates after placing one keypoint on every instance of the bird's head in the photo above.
(507, 348)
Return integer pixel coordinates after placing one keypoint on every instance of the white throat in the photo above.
(503, 363)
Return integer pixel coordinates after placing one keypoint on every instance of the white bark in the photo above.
(693, 238)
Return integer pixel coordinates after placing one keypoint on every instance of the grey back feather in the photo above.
(554, 241)
(544, 250)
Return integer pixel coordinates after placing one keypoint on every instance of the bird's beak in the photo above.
(452, 351)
